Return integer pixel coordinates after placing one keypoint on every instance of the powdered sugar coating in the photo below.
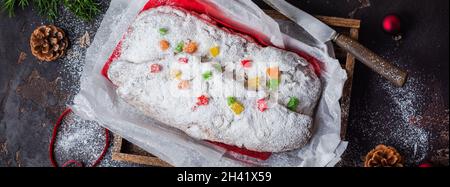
(275, 130)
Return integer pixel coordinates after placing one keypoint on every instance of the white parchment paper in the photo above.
(97, 99)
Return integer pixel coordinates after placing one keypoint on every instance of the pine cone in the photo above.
(48, 43)
(383, 156)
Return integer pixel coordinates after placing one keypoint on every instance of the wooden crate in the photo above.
(126, 151)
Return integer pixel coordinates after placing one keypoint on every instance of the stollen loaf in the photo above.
(182, 69)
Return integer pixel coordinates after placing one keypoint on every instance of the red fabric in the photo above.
(425, 165)
(114, 56)
(77, 163)
(254, 154)
(201, 7)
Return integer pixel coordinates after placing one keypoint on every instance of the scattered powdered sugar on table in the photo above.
(79, 139)
(409, 103)
(73, 61)
(400, 128)
(363, 4)
(408, 100)
(83, 141)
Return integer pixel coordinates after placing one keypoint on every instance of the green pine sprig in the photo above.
(47, 8)
(83, 9)
(9, 5)
(23, 3)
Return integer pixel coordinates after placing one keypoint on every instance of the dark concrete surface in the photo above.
(32, 95)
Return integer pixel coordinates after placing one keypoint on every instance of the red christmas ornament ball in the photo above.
(392, 24)
(425, 165)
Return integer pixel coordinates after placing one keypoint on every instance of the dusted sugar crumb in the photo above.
(83, 141)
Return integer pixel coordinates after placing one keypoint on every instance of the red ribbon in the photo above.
(77, 163)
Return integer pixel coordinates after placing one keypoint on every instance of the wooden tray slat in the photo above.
(119, 154)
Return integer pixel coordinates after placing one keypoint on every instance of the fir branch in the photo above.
(8, 6)
(23, 3)
(84, 9)
(47, 8)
